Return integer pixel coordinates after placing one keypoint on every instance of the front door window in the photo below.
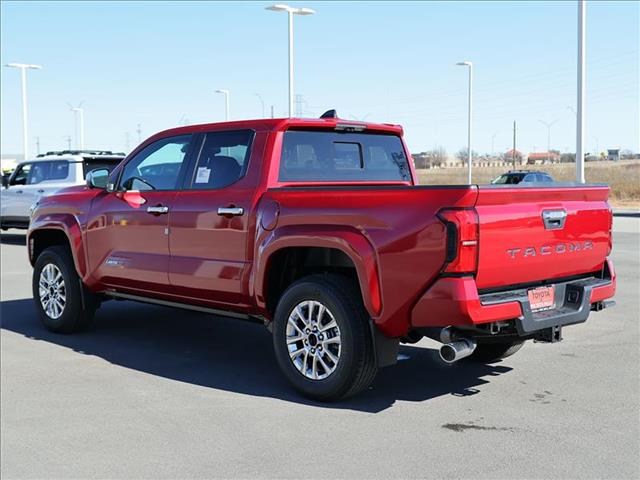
(157, 166)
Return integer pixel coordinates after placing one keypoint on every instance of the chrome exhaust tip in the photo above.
(454, 351)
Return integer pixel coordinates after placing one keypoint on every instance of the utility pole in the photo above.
(68, 139)
(272, 116)
(513, 152)
(37, 145)
(139, 131)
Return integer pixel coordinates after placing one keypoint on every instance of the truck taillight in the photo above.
(462, 239)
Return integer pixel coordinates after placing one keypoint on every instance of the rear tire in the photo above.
(491, 352)
(322, 339)
(62, 301)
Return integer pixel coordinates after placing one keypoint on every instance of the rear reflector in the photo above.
(462, 239)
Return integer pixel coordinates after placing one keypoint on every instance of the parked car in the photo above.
(316, 228)
(45, 175)
(513, 177)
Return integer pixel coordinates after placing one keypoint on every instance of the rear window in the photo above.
(316, 156)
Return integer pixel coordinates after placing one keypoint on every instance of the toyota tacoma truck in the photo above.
(318, 229)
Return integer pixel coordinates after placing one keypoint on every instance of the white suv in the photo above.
(45, 175)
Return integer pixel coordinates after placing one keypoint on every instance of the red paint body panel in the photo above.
(393, 231)
(511, 218)
(128, 247)
(389, 230)
(457, 301)
(211, 254)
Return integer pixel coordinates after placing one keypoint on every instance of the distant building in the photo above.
(509, 157)
(538, 158)
(613, 154)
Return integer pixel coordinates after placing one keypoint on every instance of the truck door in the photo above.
(127, 230)
(210, 220)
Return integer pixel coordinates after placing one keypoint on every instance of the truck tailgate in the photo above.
(537, 234)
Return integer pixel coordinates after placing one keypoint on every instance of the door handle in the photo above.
(19, 191)
(41, 191)
(231, 211)
(158, 209)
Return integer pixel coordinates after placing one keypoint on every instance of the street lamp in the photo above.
(580, 103)
(79, 112)
(262, 102)
(548, 125)
(469, 151)
(23, 74)
(291, 12)
(226, 103)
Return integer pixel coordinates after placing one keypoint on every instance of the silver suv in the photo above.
(45, 175)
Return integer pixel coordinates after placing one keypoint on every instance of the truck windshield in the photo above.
(317, 156)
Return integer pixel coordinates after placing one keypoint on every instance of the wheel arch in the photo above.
(65, 232)
(288, 253)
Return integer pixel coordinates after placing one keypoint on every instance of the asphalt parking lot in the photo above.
(151, 392)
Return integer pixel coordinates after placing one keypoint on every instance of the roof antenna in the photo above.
(329, 114)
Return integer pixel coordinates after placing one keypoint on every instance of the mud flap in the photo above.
(386, 348)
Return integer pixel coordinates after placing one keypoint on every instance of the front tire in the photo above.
(62, 306)
(322, 339)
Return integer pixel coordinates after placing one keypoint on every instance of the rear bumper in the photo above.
(456, 302)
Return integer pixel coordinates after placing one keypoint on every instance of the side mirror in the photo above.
(5, 181)
(98, 178)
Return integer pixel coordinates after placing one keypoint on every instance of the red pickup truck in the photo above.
(318, 229)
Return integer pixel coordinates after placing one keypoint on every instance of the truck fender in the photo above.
(70, 226)
(348, 240)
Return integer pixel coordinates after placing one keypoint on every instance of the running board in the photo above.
(184, 306)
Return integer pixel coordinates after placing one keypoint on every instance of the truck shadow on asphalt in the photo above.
(235, 356)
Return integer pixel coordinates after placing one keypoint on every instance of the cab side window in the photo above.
(21, 175)
(222, 160)
(157, 166)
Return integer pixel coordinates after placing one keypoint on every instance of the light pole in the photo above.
(226, 103)
(23, 74)
(469, 127)
(78, 113)
(291, 12)
(548, 125)
(261, 102)
(580, 114)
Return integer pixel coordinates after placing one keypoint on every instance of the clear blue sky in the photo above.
(158, 63)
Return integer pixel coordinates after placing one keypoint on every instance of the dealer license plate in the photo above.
(542, 298)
